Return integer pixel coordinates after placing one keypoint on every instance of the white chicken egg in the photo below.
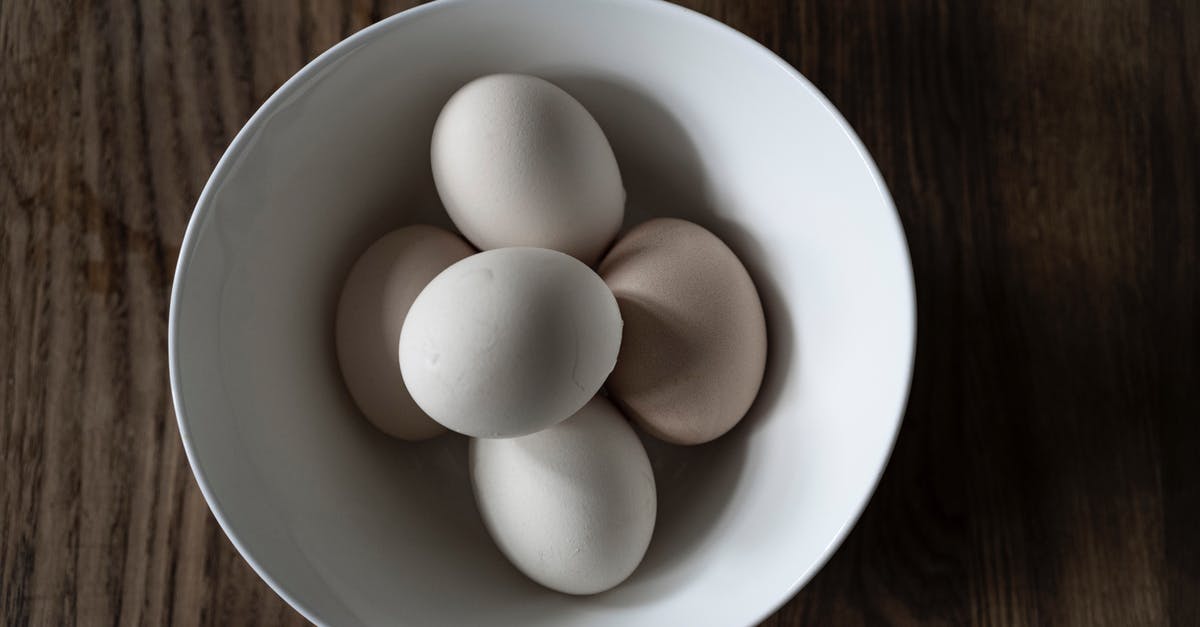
(573, 506)
(519, 162)
(509, 341)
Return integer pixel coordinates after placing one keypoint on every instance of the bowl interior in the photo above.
(356, 529)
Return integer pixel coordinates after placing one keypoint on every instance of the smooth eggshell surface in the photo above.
(695, 340)
(573, 506)
(519, 162)
(377, 294)
(509, 341)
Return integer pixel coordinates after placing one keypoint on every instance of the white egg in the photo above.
(509, 341)
(573, 506)
(519, 162)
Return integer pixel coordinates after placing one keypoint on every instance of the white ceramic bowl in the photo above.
(353, 528)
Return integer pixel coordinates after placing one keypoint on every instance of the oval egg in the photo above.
(519, 162)
(509, 341)
(375, 299)
(695, 341)
(573, 506)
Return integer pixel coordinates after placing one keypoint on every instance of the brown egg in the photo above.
(378, 292)
(694, 345)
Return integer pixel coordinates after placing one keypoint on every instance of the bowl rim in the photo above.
(297, 81)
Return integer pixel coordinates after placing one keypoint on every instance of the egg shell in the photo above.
(509, 341)
(573, 506)
(519, 162)
(375, 298)
(694, 347)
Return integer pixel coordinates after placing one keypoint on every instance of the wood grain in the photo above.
(1044, 159)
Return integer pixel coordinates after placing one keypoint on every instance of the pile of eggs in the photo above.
(537, 335)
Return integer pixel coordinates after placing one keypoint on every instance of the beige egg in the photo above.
(694, 346)
(376, 297)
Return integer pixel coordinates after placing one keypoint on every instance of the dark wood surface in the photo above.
(1044, 158)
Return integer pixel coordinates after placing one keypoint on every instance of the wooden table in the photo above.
(1044, 159)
